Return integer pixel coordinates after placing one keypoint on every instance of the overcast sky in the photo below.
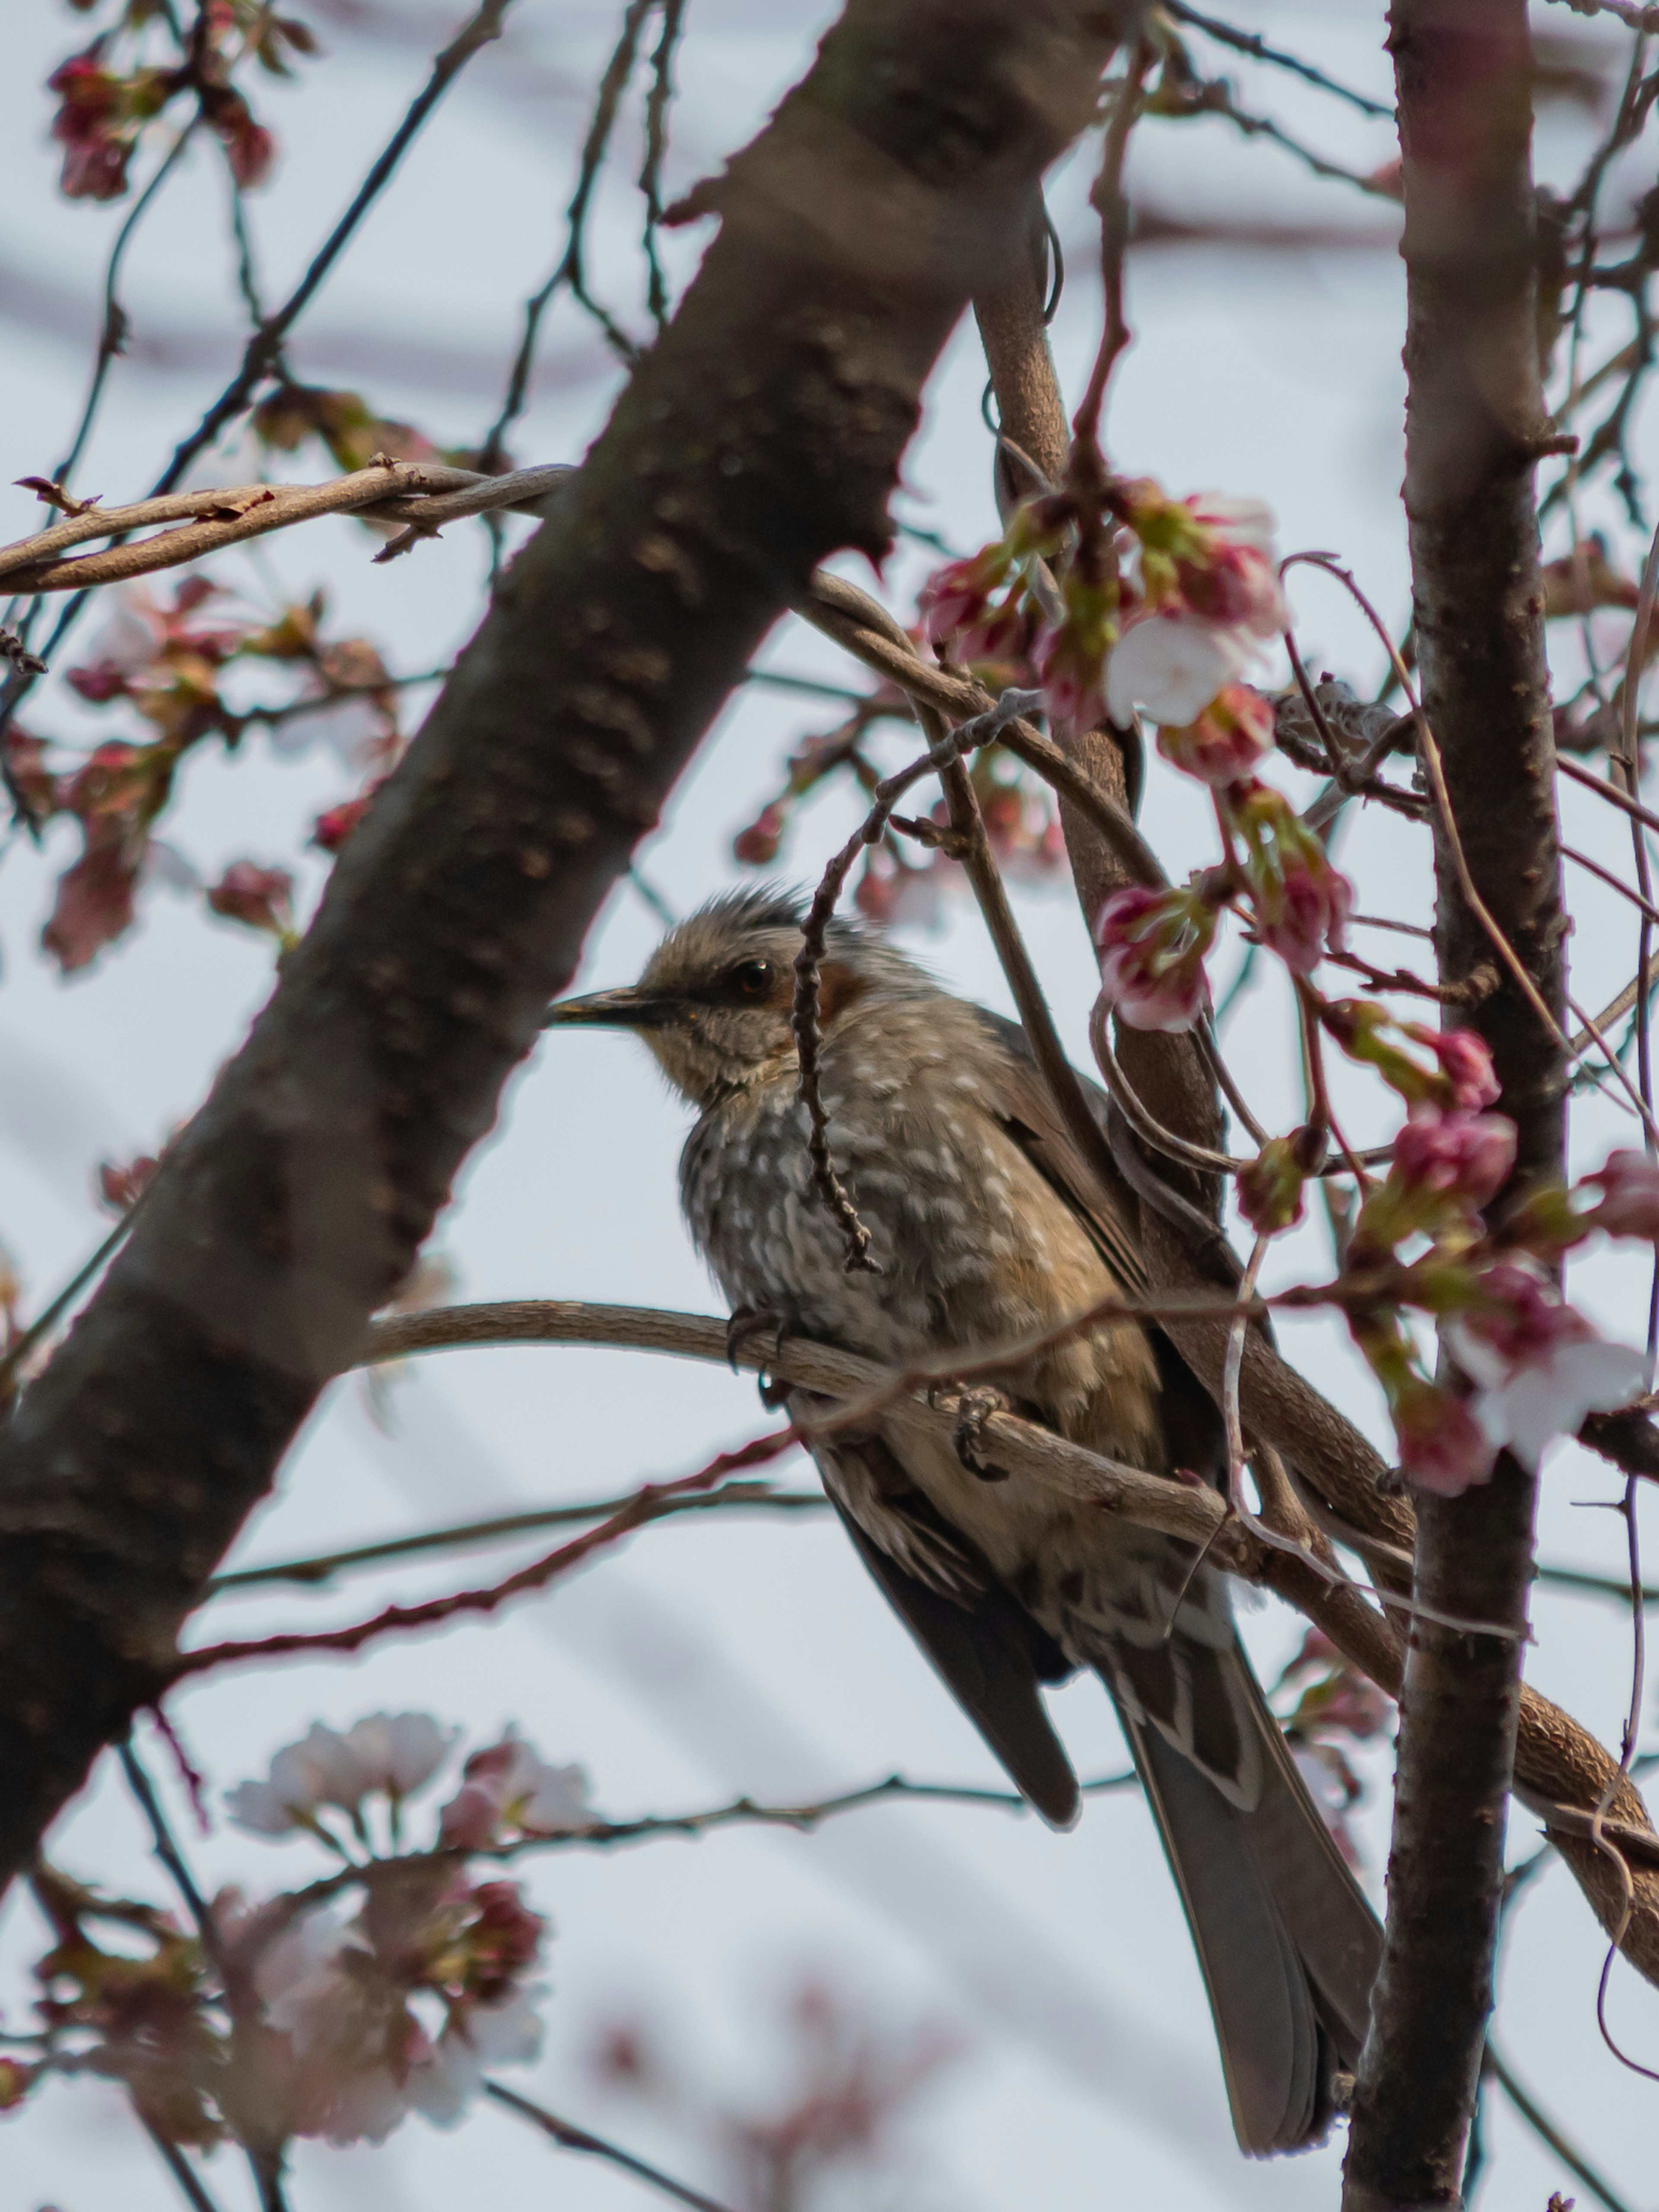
(750, 1656)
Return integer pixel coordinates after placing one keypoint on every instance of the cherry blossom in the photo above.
(260, 898)
(1465, 1156)
(1629, 1205)
(1539, 1366)
(1270, 1189)
(1152, 946)
(1173, 666)
(507, 1787)
(392, 1753)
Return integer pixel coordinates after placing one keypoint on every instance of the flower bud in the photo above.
(1152, 946)
(1226, 742)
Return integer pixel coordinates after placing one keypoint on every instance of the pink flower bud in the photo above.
(1302, 903)
(1629, 1184)
(954, 597)
(1225, 745)
(1465, 1063)
(260, 898)
(1443, 1448)
(1152, 946)
(1466, 1156)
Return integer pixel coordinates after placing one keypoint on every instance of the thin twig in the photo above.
(648, 1504)
(484, 25)
(568, 2137)
(191, 2185)
(1430, 754)
(1107, 197)
(745, 1497)
(1248, 42)
(568, 268)
(111, 338)
(656, 144)
(1542, 2126)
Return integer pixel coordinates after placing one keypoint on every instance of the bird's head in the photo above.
(714, 1004)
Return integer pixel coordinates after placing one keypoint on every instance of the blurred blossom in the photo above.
(1269, 1190)
(1538, 1364)
(1443, 1446)
(260, 898)
(892, 892)
(120, 1185)
(1629, 1205)
(507, 1789)
(392, 1753)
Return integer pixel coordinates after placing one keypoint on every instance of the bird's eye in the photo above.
(753, 979)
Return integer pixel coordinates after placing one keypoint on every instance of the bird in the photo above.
(985, 1225)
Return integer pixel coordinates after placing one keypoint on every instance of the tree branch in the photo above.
(1560, 1769)
(1474, 425)
(763, 432)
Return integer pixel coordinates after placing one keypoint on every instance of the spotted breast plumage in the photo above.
(987, 1225)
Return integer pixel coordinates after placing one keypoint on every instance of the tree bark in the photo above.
(762, 434)
(1474, 420)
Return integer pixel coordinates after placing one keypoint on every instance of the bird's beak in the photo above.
(629, 1009)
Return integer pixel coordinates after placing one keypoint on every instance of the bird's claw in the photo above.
(973, 1408)
(759, 1321)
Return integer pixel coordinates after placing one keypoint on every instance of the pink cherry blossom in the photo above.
(1226, 742)
(508, 1787)
(1538, 1366)
(1301, 902)
(1309, 914)
(1152, 946)
(1629, 1205)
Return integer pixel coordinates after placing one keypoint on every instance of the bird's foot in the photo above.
(973, 1408)
(760, 1320)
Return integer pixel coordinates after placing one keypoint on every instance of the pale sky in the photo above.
(751, 1657)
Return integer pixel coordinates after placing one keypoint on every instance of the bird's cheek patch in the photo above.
(838, 987)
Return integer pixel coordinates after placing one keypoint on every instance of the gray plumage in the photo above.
(987, 1225)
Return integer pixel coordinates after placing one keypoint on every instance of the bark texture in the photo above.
(1474, 418)
(762, 433)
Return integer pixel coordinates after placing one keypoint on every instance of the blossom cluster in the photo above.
(1177, 605)
(109, 92)
(337, 2010)
(167, 660)
(1163, 610)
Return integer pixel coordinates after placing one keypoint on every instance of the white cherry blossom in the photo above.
(1173, 666)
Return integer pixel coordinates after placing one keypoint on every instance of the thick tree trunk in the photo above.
(762, 433)
(1474, 420)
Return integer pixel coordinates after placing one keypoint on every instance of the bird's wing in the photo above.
(1025, 1110)
(1192, 1430)
(986, 1648)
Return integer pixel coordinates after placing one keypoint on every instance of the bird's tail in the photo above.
(1288, 1946)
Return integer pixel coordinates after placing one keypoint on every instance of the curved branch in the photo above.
(1560, 1767)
